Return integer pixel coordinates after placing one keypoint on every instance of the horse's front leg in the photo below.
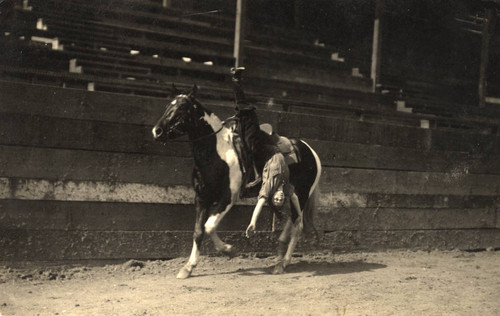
(194, 258)
(211, 228)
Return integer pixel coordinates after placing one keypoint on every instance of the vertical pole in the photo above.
(377, 44)
(485, 47)
(239, 32)
(297, 13)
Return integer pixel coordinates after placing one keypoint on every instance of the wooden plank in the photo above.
(19, 245)
(354, 155)
(77, 104)
(465, 141)
(97, 216)
(46, 163)
(44, 131)
(79, 165)
(434, 201)
(89, 105)
(316, 77)
(99, 191)
(350, 180)
(103, 216)
(54, 132)
(368, 219)
(102, 191)
(145, 30)
(467, 239)
(95, 191)
(341, 130)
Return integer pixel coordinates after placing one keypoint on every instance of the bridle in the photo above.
(175, 127)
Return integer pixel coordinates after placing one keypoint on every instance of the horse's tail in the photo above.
(312, 200)
(309, 211)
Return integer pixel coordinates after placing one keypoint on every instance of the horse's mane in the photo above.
(199, 104)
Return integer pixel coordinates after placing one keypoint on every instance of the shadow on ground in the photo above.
(323, 268)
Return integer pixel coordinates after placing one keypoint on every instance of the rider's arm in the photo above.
(255, 216)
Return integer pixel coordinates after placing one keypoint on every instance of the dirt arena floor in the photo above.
(386, 283)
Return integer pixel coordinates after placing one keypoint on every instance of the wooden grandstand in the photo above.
(82, 83)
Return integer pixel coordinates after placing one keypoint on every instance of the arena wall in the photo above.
(82, 178)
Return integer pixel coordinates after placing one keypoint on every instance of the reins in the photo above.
(197, 139)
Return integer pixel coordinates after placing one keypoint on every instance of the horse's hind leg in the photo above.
(201, 215)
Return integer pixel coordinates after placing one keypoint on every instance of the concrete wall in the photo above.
(81, 178)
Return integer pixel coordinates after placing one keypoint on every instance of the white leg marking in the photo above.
(194, 257)
(210, 224)
(211, 228)
(187, 269)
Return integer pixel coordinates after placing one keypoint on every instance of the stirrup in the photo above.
(258, 179)
(253, 183)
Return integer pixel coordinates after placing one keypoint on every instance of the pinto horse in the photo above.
(217, 177)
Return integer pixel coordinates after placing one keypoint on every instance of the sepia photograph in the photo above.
(249, 157)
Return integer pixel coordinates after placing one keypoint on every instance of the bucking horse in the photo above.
(218, 179)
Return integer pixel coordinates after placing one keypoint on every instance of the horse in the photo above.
(218, 179)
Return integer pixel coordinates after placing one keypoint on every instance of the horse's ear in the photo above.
(175, 91)
(193, 90)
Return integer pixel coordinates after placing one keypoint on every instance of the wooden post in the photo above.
(297, 13)
(377, 44)
(239, 32)
(485, 47)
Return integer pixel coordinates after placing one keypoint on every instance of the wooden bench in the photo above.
(306, 48)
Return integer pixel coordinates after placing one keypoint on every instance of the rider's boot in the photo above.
(257, 179)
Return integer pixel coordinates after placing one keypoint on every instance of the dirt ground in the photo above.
(385, 283)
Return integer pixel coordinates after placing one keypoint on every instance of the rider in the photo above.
(267, 157)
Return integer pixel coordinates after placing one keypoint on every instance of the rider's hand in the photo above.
(250, 230)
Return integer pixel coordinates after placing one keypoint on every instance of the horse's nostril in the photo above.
(157, 132)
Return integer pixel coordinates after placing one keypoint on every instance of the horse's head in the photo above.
(178, 117)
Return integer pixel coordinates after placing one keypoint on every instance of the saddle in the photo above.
(288, 147)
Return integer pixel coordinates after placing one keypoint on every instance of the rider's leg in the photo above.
(249, 122)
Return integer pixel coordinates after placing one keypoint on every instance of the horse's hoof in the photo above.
(279, 268)
(184, 273)
(230, 252)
